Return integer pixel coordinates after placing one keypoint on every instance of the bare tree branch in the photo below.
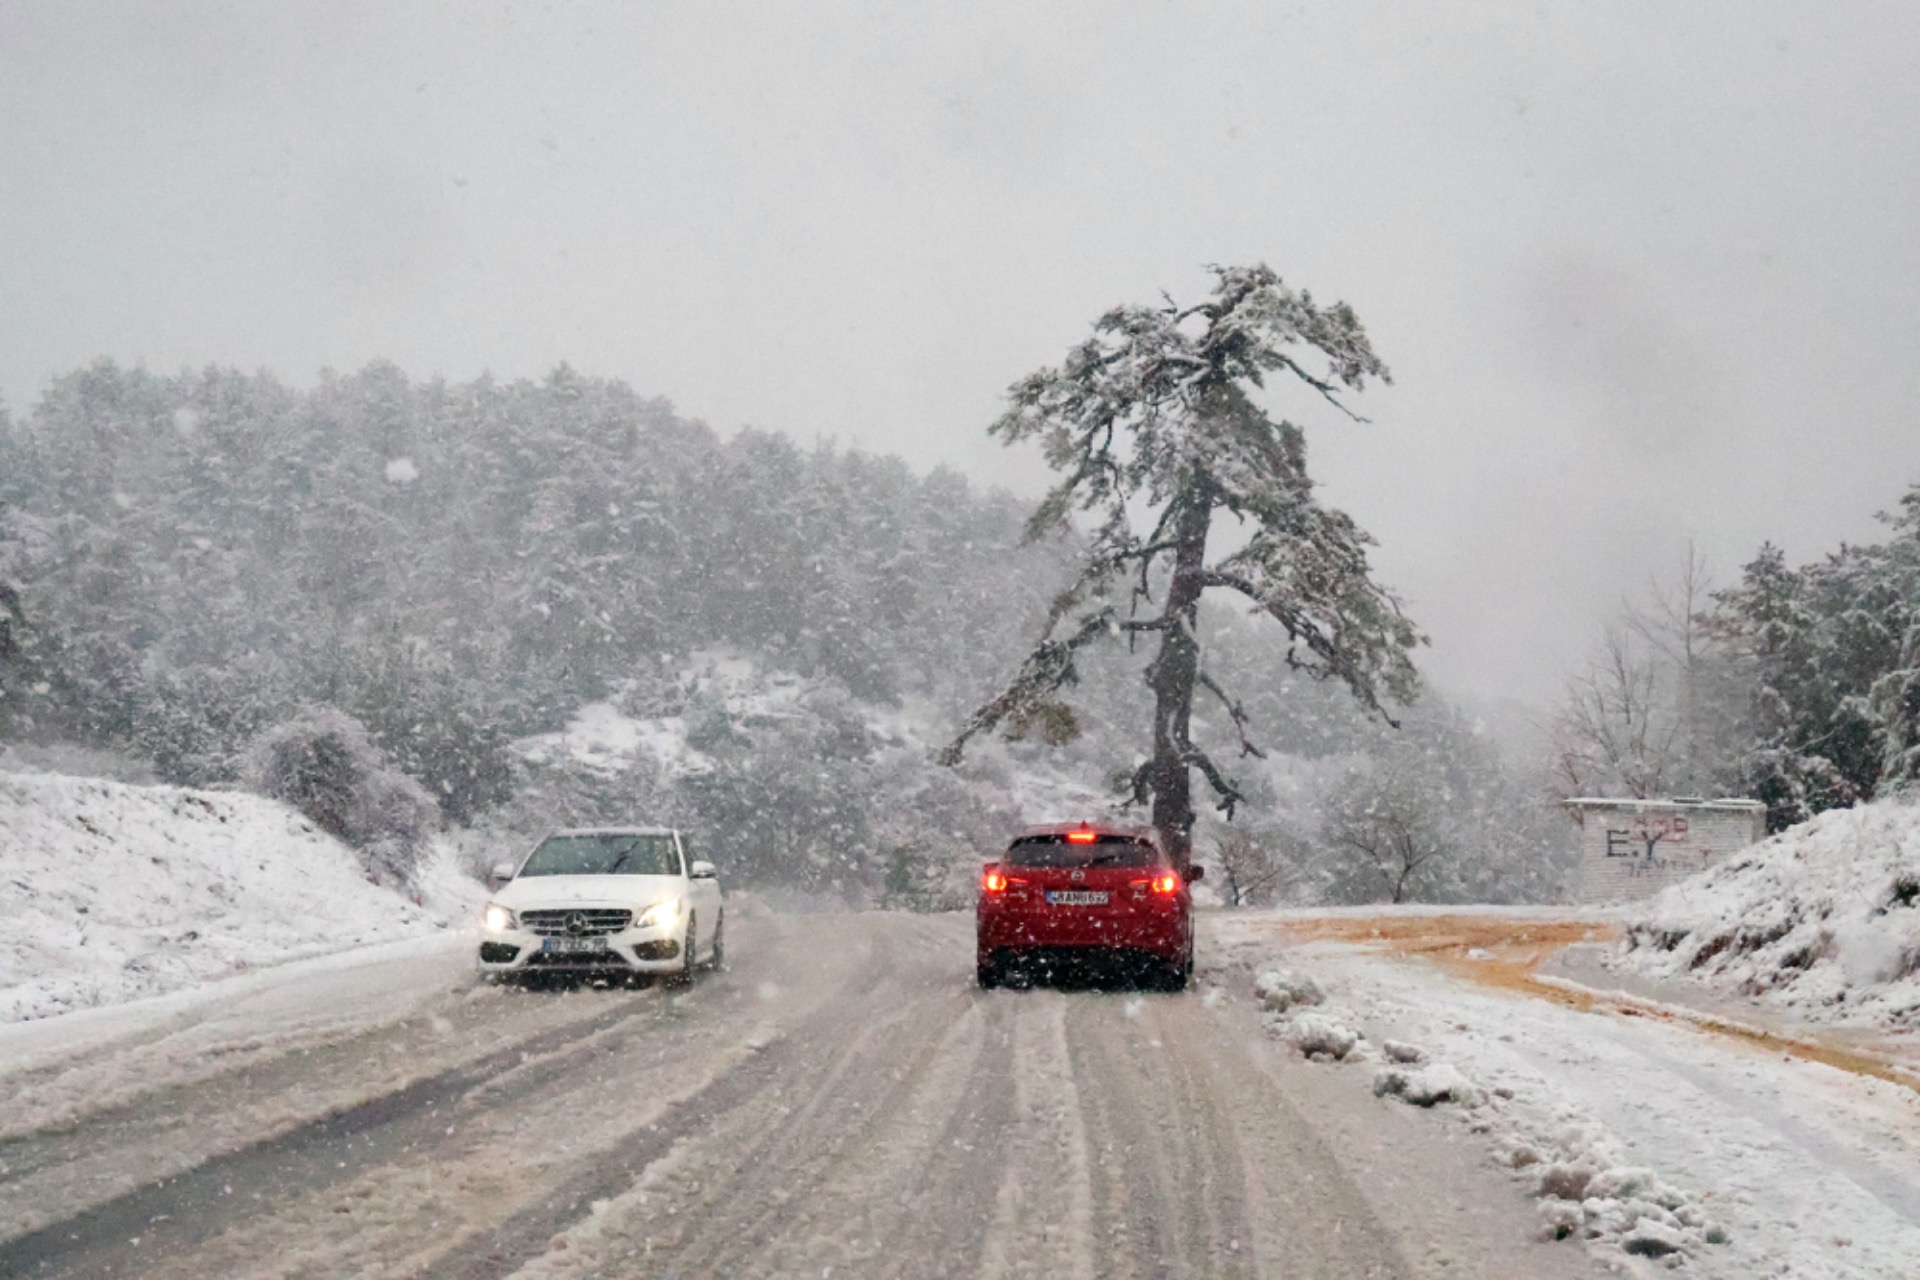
(1238, 714)
(1230, 795)
(1327, 390)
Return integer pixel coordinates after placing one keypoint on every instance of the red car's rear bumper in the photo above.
(1165, 932)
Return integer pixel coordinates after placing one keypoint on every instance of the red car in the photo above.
(1073, 896)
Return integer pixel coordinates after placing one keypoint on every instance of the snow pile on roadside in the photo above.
(1295, 1013)
(1823, 919)
(112, 891)
(1429, 1085)
(1580, 1174)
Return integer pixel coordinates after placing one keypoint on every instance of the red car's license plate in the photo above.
(1076, 897)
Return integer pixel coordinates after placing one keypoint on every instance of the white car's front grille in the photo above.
(576, 922)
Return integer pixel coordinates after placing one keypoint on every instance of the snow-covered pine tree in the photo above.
(1893, 702)
(1154, 415)
(1769, 624)
(1895, 706)
(1833, 657)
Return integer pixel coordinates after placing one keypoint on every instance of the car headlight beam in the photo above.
(498, 918)
(661, 915)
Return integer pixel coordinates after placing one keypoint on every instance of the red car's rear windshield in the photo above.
(1101, 851)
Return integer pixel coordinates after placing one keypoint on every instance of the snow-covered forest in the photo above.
(1796, 686)
(505, 606)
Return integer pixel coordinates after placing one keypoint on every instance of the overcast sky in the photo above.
(1642, 271)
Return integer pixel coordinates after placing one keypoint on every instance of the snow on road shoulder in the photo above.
(1660, 1144)
(1822, 922)
(112, 892)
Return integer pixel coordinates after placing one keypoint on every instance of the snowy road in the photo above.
(841, 1101)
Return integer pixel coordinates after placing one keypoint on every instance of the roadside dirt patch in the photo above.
(1507, 951)
(1500, 951)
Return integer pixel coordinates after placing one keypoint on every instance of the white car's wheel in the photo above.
(688, 951)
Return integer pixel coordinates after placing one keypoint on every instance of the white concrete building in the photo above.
(1635, 848)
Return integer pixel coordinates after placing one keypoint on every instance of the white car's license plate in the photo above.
(573, 946)
(1077, 897)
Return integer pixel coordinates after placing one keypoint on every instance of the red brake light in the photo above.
(1081, 837)
(994, 882)
(1166, 884)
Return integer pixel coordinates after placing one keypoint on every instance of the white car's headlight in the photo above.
(498, 918)
(661, 915)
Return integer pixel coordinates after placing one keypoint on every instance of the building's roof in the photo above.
(1679, 802)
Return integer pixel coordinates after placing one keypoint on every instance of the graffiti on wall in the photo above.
(1631, 848)
(1648, 842)
(1643, 837)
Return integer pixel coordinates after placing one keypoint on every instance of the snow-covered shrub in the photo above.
(1795, 786)
(1282, 989)
(431, 728)
(1318, 1036)
(1559, 1219)
(1428, 1085)
(1403, 1053)
(1586, 1187)
(325, 764)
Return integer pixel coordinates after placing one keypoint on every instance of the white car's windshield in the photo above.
(604, 855)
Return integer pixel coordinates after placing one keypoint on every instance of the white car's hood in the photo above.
(637, 892)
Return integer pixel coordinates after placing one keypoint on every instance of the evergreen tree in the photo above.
(1895, 706)
(1155, 413)
(1832, 654)
(1893, 700)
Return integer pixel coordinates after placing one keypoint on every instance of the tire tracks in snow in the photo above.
(842, 1098)
(1171, 1195)
(713, 1186)
(864, 1158)
(188, 1206)
(168, 1127)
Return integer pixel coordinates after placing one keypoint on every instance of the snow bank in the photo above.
(1581, 1176)
(1426, 1086)
(1823, 919)
(111, 891)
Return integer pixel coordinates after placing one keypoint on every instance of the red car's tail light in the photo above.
(1166, 884)
(1082, 837)
(994, 882)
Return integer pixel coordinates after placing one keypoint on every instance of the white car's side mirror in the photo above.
(501, 873)
(702, 871)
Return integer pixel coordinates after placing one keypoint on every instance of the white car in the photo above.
(604, 901)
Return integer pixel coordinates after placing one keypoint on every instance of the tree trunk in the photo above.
(1173, 675)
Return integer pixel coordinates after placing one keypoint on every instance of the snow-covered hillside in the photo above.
(110, 891)
(1823, 920)
(611, 737)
